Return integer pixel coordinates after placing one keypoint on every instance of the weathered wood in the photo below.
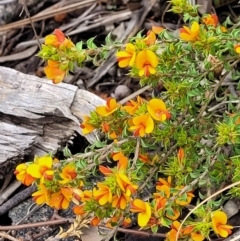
(37, 117)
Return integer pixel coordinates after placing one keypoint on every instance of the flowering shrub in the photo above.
(161, 156)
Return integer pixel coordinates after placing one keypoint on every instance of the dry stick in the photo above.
(5, 235)
(31, 22)
(204, 201)
(38, 224)
(16, 199)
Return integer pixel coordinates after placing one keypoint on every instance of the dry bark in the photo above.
(38, 117)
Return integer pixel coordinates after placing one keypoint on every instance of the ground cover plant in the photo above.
(157, 159)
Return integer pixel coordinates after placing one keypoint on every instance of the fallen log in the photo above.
(38, 117)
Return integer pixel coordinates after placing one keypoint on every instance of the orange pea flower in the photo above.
(161, 182)
(237, 48)
(95, 221)
(144, 211)
(54, 72)
(157, 29)
(146, 62)
(211, 19)
(190, 34)
(131, 106)
(172, 234)
(111, 106)
(42, 195)
(180, 155)
(105, 170)
(68, 173)
(120, 201)
(79, 210)
(61, 199)
(103, 194)
(150, 39)
(87, 195)
(125, 184)
(86, 127)
(142, 125)
(22, 174)
(58, 39)
(42, 168)
(219, 220)
(122, 160)
(127, 57)
(157, 109)
(160, 201)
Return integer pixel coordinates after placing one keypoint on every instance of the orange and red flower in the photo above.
(86, 127)
(237, 48)
(144, 211)
(41, 168)
(42, 195)
(22, 174)
(146, 62)
(111, 106)
(68, 173)
(58, 40)
(190, 34)
(219, 220)
(211, 19)
(54, 72)
(142, 125)
(61, 199)
(127, 57)
(157, 110)
(103, 194)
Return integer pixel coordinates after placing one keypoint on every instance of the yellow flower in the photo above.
(103, 195)
(157, 29)
(111, 106)
(211, 19)
(219, 220)
(58, 40)
(68, 173)
(120, 201)
(127, 57)
(61, 199)
(131, 106)
(79, 210)
(190, 34)
(237, 48)
(195, 235)
(144, 211)
(142, 125)
(122, 160)
(54, 72)
(150, 39)
(42, 195)
(157, 110)
(22, 174)
(125, 184)
(146, 62)
(172, 234)
(86, 127)
(41, 168)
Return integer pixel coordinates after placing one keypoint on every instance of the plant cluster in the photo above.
(159, 157)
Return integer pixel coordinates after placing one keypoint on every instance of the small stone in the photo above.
(230, 208)
(121, 92)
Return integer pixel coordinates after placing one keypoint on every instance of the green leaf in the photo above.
(67, 152)
(79, 45)
(91, 44)
(108, 39)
